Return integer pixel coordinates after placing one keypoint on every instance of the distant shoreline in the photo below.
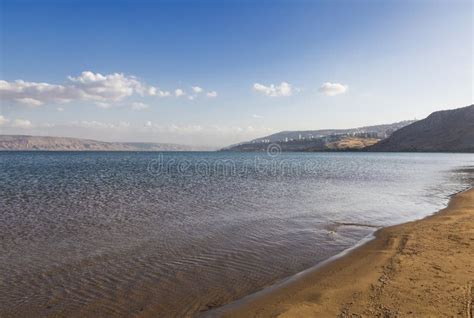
(353, 150)
(231, 151)
(96, 150)
(384, 275)
(51, 143)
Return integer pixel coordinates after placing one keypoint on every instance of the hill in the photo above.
(322, 140)
(46, 143)
(443, 131)
(378, 131)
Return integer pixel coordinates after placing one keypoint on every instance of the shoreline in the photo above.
(422, 267)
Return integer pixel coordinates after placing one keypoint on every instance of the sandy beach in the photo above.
(417, 269)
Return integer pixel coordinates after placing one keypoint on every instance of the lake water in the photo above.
(175, 234)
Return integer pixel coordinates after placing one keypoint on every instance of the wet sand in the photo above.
(423, 268)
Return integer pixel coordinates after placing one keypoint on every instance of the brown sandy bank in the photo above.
(423, 268)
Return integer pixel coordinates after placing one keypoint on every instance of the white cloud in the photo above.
(112, 87)
(191, 97)
(123, 124)
(211, 94)
(256, 116)
(284, 89)
(15, 123)
(60, 109)
(197, 89)
(88, 86)
(101, 125)
(29, 101)
(32, 92)
(103, 105)
(202, 130)
(21, 123)
(163, 93)
(139, 106)
(332, 89)
(153, 91)
(179, 92)
(3, 121)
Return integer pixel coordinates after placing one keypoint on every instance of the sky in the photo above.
(214, 73)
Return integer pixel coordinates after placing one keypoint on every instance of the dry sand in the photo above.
(423, 268)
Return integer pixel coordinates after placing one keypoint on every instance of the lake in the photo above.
(177, 233)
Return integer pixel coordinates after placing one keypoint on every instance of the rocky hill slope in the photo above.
(442, 131)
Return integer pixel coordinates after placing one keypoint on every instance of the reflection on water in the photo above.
(102, 234)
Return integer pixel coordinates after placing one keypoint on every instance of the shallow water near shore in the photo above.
(175, 234)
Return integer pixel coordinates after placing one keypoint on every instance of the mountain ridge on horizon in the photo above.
(442, 131)
(446, 130)
(310, 140)
(279, 136)
(20, 142)
(52, 143)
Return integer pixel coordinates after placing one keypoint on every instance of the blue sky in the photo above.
(112, 69)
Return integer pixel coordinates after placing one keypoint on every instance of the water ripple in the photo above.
(95, 234)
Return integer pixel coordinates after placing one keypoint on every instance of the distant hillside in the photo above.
(380, 131)
(22, 142)
(448, 130)
(322, 140)
(351, 143)
(329, 143)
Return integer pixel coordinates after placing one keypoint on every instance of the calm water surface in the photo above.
(174, 234)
